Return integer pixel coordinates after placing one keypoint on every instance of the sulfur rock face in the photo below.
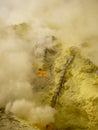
(77, 103)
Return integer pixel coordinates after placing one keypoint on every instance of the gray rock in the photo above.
(10, 122)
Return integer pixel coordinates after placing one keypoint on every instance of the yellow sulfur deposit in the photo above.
(77, 103)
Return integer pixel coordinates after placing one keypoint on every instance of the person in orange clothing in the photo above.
(42, 73)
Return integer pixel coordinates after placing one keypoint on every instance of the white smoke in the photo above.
(34, 114)
(17, 60)
(14, 71)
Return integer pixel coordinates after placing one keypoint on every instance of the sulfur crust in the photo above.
(77, 106)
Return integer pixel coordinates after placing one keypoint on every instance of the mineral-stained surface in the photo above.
(77, 102)
(10, 122)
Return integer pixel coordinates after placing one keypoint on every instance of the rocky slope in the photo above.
(77, 101)
(10, 122)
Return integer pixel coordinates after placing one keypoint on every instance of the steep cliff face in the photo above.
(77, 100)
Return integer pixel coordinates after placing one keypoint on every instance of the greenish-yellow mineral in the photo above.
(77, 102)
